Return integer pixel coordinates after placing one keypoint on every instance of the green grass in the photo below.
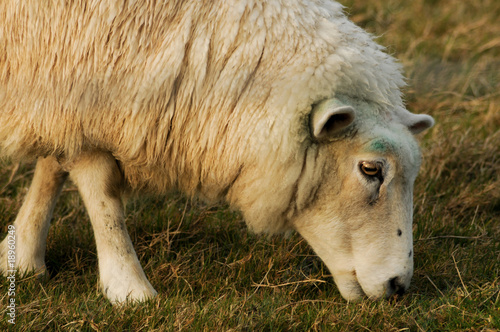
(212, 275)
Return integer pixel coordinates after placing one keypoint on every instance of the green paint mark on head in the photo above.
(382, 145)
(378, 146)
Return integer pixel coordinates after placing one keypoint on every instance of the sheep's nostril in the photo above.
(395, 286)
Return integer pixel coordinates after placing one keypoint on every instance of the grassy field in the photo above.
(212, 275)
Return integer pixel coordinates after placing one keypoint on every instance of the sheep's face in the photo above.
(360, 222)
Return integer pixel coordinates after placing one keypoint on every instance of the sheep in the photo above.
(286, 110)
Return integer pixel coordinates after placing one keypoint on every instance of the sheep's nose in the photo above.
(395, 286)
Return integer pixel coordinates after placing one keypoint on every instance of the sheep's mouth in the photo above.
(349, 287)
(353, 290)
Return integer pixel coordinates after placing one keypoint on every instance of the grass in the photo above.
(212, 275)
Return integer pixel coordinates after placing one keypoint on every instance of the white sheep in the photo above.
(284, 109)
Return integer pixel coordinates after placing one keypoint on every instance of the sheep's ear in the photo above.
(416, 123)
(329, 118)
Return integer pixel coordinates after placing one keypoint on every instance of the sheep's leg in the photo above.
(33, 221)
(100, 182)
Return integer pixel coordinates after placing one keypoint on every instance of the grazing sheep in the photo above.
(284, 109)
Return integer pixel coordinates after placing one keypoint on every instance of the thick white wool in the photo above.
(212, 97)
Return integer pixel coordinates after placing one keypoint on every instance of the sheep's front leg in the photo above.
(100, 182)
(33, 220)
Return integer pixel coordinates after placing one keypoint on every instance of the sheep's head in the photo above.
(360, 220)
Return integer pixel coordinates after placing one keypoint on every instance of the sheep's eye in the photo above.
(371, 169)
